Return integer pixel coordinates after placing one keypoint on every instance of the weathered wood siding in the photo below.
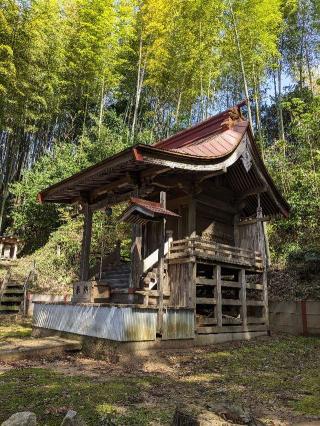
(151, 237)
(214, 224)
(180, 281)
(250, 237)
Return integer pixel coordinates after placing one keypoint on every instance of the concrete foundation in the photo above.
(18, 349)
(101, 348)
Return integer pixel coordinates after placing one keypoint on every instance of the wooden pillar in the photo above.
(86, 242)
(161, 262)
(265, 296)
(192, 218)
(1, 250)
(243, 296)
(218, 293)
(136, 256)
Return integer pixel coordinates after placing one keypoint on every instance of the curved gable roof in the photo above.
(212, 145)
(215, 137)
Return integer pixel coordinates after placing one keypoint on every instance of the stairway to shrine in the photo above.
(11, 297)
(118, 276)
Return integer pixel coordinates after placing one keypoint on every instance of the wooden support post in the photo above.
(86, 242)
(265, 296)
(192, 218)
(136, 256)
(243, 296)
(161, 262)
(179, 223)
(1, 250)
(193, 284)
(218, 293)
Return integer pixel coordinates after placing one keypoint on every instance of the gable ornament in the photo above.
(246, 158)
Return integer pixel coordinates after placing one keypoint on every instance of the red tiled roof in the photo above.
(215, 137)
(152, 206)
(202, 147)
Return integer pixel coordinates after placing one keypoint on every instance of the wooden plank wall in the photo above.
(214, 224)
(250, 237)
(181, 284)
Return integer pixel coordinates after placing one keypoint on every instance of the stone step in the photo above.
(14, 284)
(117, 271)
(117, 278)
(124, 277)
(11, 299)
(125, 298)
(9, 308)
(117, 283)
(36, 348)
(8, 291)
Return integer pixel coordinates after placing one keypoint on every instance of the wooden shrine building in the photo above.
(197, 203)
(9, 246)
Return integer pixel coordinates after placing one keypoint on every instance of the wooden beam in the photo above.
(252, 191)
(119, 183)
(86, 242)
(136, 256)
(218, 293)
(111, 200)
(251, 221)
(192, 218)
(243, 296)
(206, 301)
(231, 329)
(255, 286)
(205, 281)
(231, 302)
(216, 204)
(230, 284)
(265, 296)
(256, 303)
(213, 174)
(162, 237)
(153, 172)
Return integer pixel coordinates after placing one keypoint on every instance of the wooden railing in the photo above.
(210, 250)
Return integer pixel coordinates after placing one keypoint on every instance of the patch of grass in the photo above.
(14, 327)
(279, 375)
(50, 395)
(309, 403)
(285, 368)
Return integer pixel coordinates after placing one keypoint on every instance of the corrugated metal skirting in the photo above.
(125, 324)
(178, 324)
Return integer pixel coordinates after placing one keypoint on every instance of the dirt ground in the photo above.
(277, 379)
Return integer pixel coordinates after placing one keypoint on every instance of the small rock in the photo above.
(193, 415)
(231, 412)
(72, 418)
(23, 418)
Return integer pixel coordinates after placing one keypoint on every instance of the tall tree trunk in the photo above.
(257, 106)
(279, 102)
(101, 109)
(178, 107)
(309, 68)
(140, 77)
(245, 83)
